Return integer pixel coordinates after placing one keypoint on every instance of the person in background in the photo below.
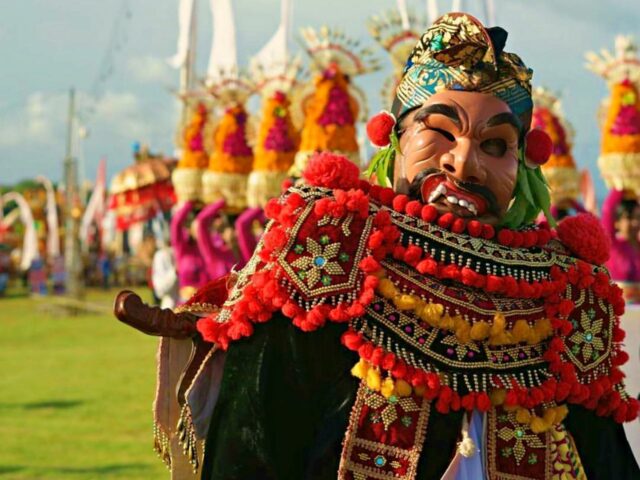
(621, 221)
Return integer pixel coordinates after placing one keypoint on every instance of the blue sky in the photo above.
(48, 45)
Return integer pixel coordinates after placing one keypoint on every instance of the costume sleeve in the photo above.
(247, 241)
(609, 212)
(206, 246)
(284, 405)
(179, 234)
(602, 445)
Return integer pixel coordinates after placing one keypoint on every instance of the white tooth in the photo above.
(463, 203)
(435, 194)
(441, 189)
(472, 208)
(452, 199)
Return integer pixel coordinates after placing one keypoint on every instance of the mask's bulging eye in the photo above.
(496, 147)
(446, 134)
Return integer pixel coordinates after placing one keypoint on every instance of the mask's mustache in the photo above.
(415, 189)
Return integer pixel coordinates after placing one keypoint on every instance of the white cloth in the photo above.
(630, 323)
(164, 277)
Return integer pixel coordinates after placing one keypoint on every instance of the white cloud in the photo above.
(42, 119)
(150, 69)
(32, 123)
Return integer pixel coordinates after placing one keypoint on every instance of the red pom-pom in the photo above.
(474, 227)
(413, 208)
(584, 236)
(446, 220)
(429, 213)
(505, 237)
(488, 231)
(379, 128)
(539, 147)
(326, 169)
(400, 202)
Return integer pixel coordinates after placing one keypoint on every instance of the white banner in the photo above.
(275, 50)
(96, 206)
(30, 242)
(53, 232)
(186, 18)
(224, 55)
(404, 14)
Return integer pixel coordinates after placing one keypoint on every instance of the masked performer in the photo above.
(619, 159)
(480, 348)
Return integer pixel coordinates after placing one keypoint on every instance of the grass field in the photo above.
(75, 393)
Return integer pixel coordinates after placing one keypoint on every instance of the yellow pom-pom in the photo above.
(374, 382)
(463, 333)
(543, 328)
(403, 388)
(360, 369)
(550, 416)
(539, 425)
(420, 390)
(387, 288)
(387, 388)
(523, 415)
(405, 302)
(520, 332)
(480, 330)
(497, 396)
(499, 323)
(561, 413)
(429, 315)
(447, 323)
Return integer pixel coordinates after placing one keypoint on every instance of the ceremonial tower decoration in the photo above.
(231, 158)
(619, 160)
(277, 140)
(332, 105)
(397, 33)
(187, 177)
(565, 180)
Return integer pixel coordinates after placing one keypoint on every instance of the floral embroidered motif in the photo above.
(587, 339)
(321, 259)
(522, 438)
(394, 406)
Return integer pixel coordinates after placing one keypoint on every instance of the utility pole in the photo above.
(73, 212)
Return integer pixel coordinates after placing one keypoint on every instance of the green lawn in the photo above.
(75, 393)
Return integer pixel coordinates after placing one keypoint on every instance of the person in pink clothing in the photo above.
(211, 255)
(192, 272)
(621, 221)
(247, 236)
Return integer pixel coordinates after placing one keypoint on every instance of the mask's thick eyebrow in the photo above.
(440, 109)
(505, 117)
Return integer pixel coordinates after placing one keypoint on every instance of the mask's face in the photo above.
(459, 152)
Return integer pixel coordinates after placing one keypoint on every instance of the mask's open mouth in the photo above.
(438, 190)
